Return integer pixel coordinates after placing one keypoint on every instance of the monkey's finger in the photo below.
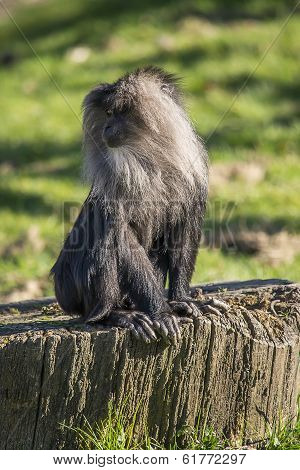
(142, 333)
(173, 329)
(181, 307)
(176, 327)
(173, 337)
(147, 329)
(146, 323)
(161, 329)
(145, 318)
(135, 332)
(192, 313)
(173, 324)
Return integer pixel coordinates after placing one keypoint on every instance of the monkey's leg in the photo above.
(66, 291)
(160, 260)
(138, 279)
(105, 294)
(107, 298)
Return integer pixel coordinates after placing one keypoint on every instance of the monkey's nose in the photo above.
(112, 136)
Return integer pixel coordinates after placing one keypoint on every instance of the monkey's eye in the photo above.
(108, 112)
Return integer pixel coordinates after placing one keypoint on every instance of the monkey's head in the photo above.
(136, 130)
(123, 113)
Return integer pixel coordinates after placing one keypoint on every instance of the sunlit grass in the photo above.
(214, 47)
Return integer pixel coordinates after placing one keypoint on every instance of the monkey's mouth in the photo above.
(113, 143)
(112, 136)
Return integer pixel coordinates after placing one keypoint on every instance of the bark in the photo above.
(236, 369)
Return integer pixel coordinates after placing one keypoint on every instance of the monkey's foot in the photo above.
(167, 326)
(137, 322)
(186, 308)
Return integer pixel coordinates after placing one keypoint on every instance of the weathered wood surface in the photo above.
(238, 370)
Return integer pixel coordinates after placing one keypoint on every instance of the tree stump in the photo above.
(235, 369)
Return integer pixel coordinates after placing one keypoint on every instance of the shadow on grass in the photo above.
(42, 158)
(21, 202)
(22, 153)
(218, 232)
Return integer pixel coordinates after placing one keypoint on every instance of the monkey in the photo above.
(141, 222)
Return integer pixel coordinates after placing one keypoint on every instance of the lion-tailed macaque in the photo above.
(141, 222)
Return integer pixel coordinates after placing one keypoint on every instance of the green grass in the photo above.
(116, 432)
(214, 46)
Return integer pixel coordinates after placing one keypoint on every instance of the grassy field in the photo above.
(240, 67)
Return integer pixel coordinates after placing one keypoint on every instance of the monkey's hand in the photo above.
(191, 309)
(167, 325)
(185, 307)
(138, 323)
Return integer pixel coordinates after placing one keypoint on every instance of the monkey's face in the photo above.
(135, 112)
(108, 121)
(116, 128)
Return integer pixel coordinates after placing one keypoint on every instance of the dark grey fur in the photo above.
(142, 218)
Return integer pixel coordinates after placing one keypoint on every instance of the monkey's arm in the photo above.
(137, 277)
